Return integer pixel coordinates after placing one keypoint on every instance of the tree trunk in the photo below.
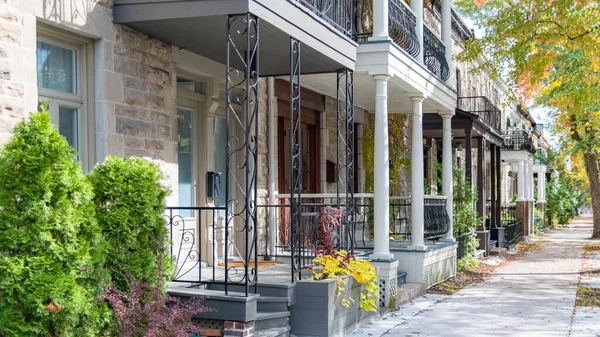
(593, 172)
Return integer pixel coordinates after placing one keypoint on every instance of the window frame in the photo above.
(83, 98)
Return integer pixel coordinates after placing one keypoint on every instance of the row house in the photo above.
(261, 113)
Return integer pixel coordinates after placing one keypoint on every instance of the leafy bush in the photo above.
(465, 219)
(144, 311)
(50, 244)
(129, 208)
(563, 199)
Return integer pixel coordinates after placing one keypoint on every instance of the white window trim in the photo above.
(83, 99)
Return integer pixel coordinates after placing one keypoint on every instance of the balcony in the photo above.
(517, 140)
(434, 55)
(338, 13)
(483, 108)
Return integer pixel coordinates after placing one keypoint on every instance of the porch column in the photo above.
(469, 156)
(417, 175)
(493, 186)
(380, 20)
(381, 167)
(481, 180)
(447, 179)
(417, 7)
(447, 32)
(528, 181)
(521, 181)
(542, 185)
(498, 184)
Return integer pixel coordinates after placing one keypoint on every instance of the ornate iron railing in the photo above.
(508, 214)
(517, 140)
(403, 27)
(437, 221)
(187, 228)
(338, 13)
(462, 240)
(434, 55)
(513, 233)
(483, 108)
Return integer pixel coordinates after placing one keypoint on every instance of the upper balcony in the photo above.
(517, 140)
(324, 28)
(402, 23)
(482, 107)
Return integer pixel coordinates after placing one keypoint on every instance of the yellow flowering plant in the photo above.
(345, 264)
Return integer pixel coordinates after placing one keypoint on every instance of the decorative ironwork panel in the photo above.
(434, 55)
(241, 87)
(517, 140)
(403, 27)
(345, 156)
(297, 233)
(482, 107)
(337, 13)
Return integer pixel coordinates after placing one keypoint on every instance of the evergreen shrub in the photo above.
(50, 245)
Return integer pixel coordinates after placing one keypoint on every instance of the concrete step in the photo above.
(408, 292)
(274, 332)
(270, 320)
(264, 289)
(272, 304)
(479, 254)
(498, 251)
(401, 278)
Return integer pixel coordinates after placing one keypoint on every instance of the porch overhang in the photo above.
(200, 26)
(513, 157)
(432, 128)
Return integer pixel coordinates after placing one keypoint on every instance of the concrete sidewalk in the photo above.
(531, 296)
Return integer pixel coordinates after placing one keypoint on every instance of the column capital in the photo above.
(381, 77)
(446, 114)
(417, 98)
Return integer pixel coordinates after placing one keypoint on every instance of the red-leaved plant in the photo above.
(329, 221)
(145, 311)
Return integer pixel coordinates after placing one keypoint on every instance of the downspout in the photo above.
(272, 211)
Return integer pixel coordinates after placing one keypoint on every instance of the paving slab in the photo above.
(531, 296)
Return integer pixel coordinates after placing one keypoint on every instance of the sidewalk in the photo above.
(531, 296)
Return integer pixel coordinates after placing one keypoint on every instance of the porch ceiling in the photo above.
(364, 92)
(201, 27)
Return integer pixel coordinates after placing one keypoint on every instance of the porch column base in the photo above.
(387, 274)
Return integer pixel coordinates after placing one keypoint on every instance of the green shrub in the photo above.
(50, 244)
(129, 208)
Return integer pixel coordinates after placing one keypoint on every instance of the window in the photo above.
(62, 62)
(185, 158)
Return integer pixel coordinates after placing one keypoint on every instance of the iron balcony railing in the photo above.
(483, 108)
(434, 55)
(338, 13)
(517, 140)
(403, 27)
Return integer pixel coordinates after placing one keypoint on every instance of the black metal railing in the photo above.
(513, 233)
(517, 140)
(462, 240)
(403, 27)
(434, 55)
(508, 214)
(338, 13)
(483, 108)
(188, 230)
(436, 218)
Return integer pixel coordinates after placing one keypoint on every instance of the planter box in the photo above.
(318, 311)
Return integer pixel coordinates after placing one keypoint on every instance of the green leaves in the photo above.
(129, 207)
(50, 261)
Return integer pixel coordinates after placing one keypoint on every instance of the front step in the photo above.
(271, 320)
(274, 332)
(272, 304)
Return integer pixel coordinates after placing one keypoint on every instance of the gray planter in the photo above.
(319, 312)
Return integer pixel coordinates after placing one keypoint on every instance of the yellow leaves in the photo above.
(336, 267)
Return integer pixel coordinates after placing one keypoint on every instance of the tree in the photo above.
(548, 51)
(50, 246)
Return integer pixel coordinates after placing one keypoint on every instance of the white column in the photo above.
(447, 32)
(531, 181)
(542, 185)
(417, 7)
(380, 20)
(417, 177)
(528, 181)
(381, 167)
(521, 181)
(447, 180)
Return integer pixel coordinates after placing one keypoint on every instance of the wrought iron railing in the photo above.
(434, 55)
(517, 140)
(338, 13)
(513, 233)
(403, 27)
(508, 214)
(483, 108)
(462, 241)
(188, 230)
